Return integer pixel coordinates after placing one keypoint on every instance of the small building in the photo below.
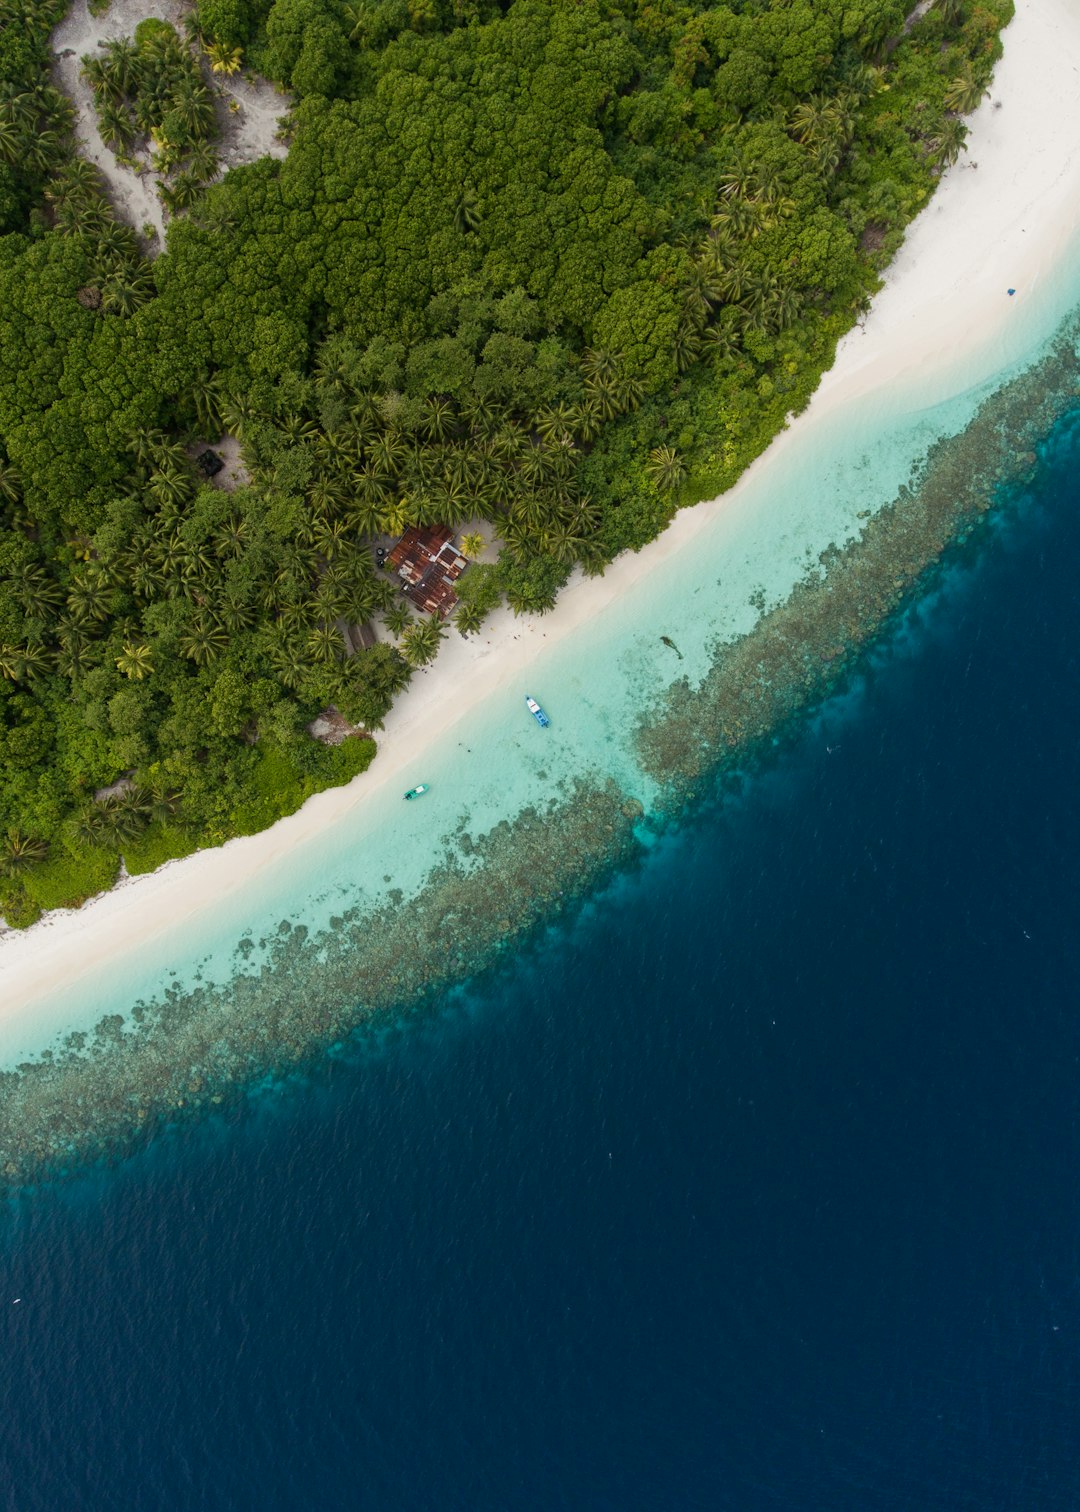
(428, 564)
(209, 463)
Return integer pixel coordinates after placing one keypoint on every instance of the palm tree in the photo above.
(125, 292)
(146, 445)
(232, 537)
(828, 155)
(517, 535)
(398, 619)
(762, 292)
(701, 290)
(395, 518)
(240, 416)
(19, 852)
(597, 362)
(181, 193)
(37, 660)
(156, 801)
(388, 454)
(115, 241)
(437, 419)
(469, 618)
(194, 107)
(170, 485)
(236, 612)
(101, 79)
(11, 662)
(556, 422)
(10, 483)
(324, 644)
(78, 178)
(21, 108)
(224, 59)
(206, 393)
(332, 538)
(329, 601)
(115, 127)
(121, 818)
(365, 516)
(688, 345)
(91, 827)
(786, 309)
(811, 120)
(11, 141)
(467, 215)
(603, 391)
(950, 141)
(733, 281)
(42, 150)
(203, 161)
(739, 180)
(472, 545)
(951, 11)
(629, 392)
(561, 542)
(122, 63)
(420, 643)
(74, 657)
(665, 467)
(359, 19)
(737, 220)
(297, 428)
(37, 594)
(89, 597)
(204, 641)
(289, 665)
(963, 93)
(146, 578)
(135, 661)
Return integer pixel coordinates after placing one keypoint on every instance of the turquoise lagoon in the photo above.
(817, 488)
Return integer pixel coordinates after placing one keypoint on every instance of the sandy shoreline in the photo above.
(1005, 224)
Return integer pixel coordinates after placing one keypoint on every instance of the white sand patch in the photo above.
(246, 133)
(944, 321)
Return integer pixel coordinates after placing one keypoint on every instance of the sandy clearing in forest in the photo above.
(247, 133)
(1007, 225)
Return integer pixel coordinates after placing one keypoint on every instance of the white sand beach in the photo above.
(1005, 217)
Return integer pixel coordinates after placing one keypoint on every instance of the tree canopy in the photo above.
(559, 268)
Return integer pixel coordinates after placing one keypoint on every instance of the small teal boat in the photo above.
(537, 712)
(418, 791)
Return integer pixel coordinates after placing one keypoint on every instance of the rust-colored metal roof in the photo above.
(428, 562)
(419, 545)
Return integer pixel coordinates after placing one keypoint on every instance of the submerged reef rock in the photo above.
(800, 651)
(190, 1051)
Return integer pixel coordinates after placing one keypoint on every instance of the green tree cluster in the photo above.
(150, 89)
(559, 268)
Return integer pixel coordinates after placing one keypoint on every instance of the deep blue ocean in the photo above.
(757, 1186)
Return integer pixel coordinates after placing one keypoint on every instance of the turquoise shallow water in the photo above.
(750, 1187)
(818, 489)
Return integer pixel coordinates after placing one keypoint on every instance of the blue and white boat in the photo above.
(536, 711)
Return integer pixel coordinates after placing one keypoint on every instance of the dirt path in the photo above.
(246, 134)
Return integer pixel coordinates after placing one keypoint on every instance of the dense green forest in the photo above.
(558, 267)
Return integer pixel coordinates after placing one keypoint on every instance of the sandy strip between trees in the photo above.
(1006, 223)
(247, 132)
